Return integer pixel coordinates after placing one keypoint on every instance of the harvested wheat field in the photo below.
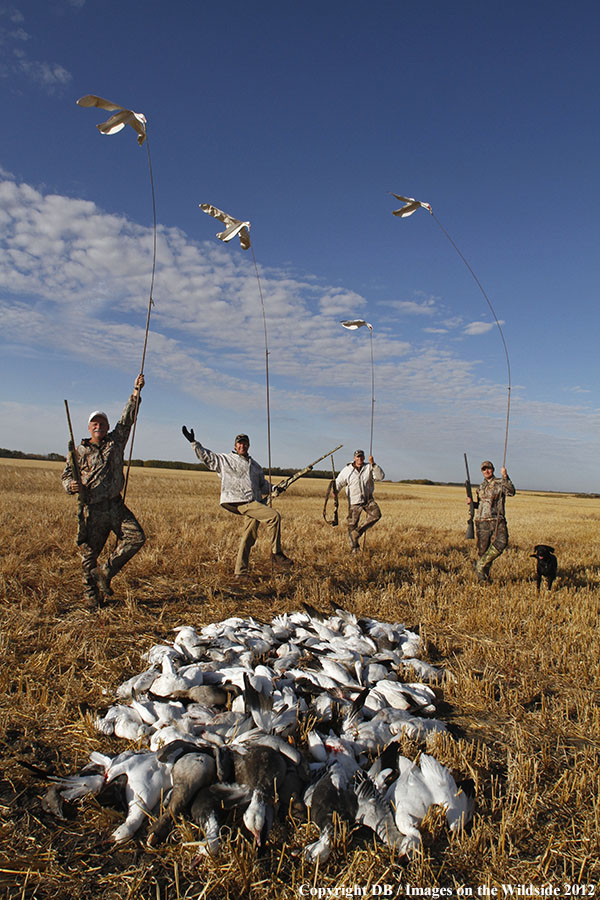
(523, 709)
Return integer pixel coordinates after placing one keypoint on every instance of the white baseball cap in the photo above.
(98, 414)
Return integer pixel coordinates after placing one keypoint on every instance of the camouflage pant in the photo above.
(487, 534)
(373, 514)
(255, 513)
(102, 518)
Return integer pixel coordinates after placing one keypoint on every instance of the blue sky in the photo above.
(301, 118)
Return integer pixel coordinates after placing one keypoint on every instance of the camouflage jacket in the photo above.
(242, 479)
(491, 496)
(359, 482)
(101, 466)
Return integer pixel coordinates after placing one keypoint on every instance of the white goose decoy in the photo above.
(232, 226)
(119, 120)
(410, 206)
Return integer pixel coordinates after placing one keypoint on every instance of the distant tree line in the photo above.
(200, 467)
(18, 454)
(149, 463)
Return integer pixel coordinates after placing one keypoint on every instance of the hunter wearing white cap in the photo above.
(100, 462)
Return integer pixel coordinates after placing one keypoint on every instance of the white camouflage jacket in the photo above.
(242, 479)
(359, 482)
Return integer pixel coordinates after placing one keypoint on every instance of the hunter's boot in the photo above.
(103, 575)
(483, 565)
(91, 594)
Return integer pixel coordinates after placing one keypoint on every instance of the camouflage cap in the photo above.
(486, 464)
(359, 453)
(242, 438)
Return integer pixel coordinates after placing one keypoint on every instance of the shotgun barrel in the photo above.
(470, 533)
(81, 492)
(282, 486)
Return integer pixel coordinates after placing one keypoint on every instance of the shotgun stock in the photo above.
(470, 533)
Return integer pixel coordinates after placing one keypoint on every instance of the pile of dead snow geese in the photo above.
(243, 720)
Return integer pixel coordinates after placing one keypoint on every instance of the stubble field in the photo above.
(523, 711)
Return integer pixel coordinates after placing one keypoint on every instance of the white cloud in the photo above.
(478, 327)
(412, 307)
(18, 64)
(76, 279)
(46, 74)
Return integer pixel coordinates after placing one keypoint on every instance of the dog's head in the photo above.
(542, 551)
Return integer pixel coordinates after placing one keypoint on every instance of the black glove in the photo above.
(188, 434)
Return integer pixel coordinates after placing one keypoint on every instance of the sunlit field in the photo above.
(523, 710)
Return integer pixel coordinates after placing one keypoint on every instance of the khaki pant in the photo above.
(102, 518)
(255, 513)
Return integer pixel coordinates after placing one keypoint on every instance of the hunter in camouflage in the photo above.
(490, 522)
(100, 463)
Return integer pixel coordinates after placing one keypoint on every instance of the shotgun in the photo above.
(331, 489)
(470, 534)
(284, 485)
(81, 492)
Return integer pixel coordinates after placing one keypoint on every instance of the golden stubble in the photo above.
(523, 705)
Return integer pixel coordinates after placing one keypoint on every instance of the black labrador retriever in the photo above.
(547, 564)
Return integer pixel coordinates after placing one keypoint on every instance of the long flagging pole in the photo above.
(150, 305)
(488, 301)
(372, 393)
(262, 304)
(372, 414)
